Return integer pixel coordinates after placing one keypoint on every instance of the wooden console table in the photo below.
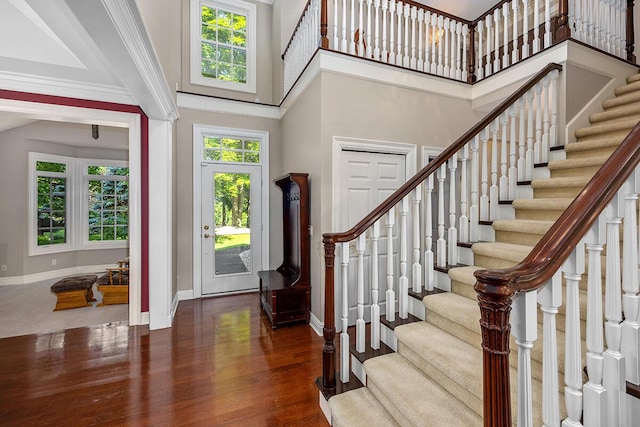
(285, 293)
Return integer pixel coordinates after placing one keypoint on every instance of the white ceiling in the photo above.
(466, 9)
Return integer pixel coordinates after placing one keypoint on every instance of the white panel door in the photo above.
(367, 179)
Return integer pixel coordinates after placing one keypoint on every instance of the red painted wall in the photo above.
(144, 152)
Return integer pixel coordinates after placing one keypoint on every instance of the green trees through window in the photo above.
(223, 44)
(108, 203)
(52, 203)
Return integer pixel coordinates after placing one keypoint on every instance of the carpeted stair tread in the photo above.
(412, 398)
(620, 111)
(507, 251)
(595, 144)
(561, 182)
(463, 280)
(553, 204)
(628, 98)
(531, 226)
(359, 408)
(467, 312)
(633, 78)
(629, 87)
(611, 126)
(579, 162)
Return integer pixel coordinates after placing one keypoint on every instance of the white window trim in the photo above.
(199, 131)
(77, 220)
(34, 248)
(84, 206)
(238, 6)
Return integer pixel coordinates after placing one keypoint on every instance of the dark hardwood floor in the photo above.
(220, 365)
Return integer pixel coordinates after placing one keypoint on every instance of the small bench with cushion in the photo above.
(74, 291)
(114, 284)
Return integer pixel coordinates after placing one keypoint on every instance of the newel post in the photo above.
(631, 57)
(324, 40)
(563, 31)
(471, 73)
(329, 329)
(495, 300)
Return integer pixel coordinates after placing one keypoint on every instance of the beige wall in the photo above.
(184, 173)
(581, 87)
(15, 145)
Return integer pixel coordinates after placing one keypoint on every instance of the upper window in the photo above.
(223, 44)
(230, 149)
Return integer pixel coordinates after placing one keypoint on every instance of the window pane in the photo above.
(240, 74)
(239, 23)
(107, 171)
(211, 142)
(209, 69)
(239, 56)
(251, 157)
(224, 72)
(51, 167)
(224, 54)
(252, 145)
(239, 39)
(232, 143)
(209, 32)
(208, 15)
(108, 207)
(224, 18)
(51, 210)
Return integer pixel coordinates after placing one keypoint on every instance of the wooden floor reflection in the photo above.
(220, 365)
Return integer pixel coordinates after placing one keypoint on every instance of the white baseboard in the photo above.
(316, 325)
(174, 307)
(144, 318)
(53, 274)
(185, 295)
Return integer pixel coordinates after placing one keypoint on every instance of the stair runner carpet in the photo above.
(435, 378)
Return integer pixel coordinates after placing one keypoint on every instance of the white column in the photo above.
(630, 300)
(572, 270)
(416, 268)
(403, 282)
(360, 324)
(344, 336)
(429, 274)
(375, 307)
(391, 295)
(524, 327)
(550, 298)
(441, 244)
(452, 233)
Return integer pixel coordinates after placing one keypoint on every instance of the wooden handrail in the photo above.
(330, 239)
(496, 288)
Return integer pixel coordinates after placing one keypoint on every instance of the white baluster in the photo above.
(630, 300)
(399, 9)
(484, 197)
(336, 40)
(369, 47)
(621, 34)
(344, 336)
(452, 57)
(505, 37)
(576, 30)
(522, 162)
(440, 69)
(416, 61)
(391, 295)
(536, 26)
(429, 273)
(530, 135)
(458, 72)
(446, 69)
(385, 52)
(464, 219)
(416, 268)
(609, 26)
(479, 67)
(360, 49)
(406, 60)
(537, 147)
(525, 29)
(503, 183)
(452, 234)
(403, 282)
(423, 40)
(514, 21)
(376, 50)
(590, 25)
(352, 29)
(496, 42)
(494, 192)
(488, 66)
(375, 307)
(420, 62)
(550, 298)
(343, 44)
(465, 35)
(474, 218)
(544, 149)
(513, 143)
(392, 19)
(572, 270)
(553, 130)
(441, 244)
(614, 365)
(524, 328)
(595, 404)
(360, 325)
(547, 24)
(434, 36)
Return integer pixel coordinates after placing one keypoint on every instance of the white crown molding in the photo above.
(128, 23)
(227, 106)
(59, 87)
(265, 1)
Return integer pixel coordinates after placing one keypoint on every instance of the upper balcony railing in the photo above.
(410, 35)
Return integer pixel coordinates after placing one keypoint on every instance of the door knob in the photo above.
(206, 236)
(206, 227)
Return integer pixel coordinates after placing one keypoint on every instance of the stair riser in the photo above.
(575, 172)
(516, 238)
(540, 215)
(472, 337)
(556, 192)
(602, 151)
(493, 263)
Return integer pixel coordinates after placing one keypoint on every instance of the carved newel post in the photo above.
(563, 31)
(329, 329)
(324, 40)
(495, 300)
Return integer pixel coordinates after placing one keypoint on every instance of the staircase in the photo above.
(435, 377)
